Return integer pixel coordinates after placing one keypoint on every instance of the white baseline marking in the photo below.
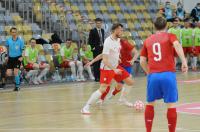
(155, 129)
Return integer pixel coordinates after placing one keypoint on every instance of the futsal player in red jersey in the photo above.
(157, 60)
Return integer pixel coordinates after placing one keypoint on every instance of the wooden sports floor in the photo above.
(56, 108)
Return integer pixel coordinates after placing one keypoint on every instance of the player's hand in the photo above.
(88, 64)
(20, 59)
(131, 62)
(184, 67)
(117, 71)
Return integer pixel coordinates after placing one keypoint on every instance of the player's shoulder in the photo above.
(108, 39)
(149, 38)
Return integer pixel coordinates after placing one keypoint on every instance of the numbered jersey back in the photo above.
(158, 48)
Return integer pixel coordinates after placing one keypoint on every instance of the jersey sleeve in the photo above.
(106, 48)
(144, 50)
(82, 53)
(172, 38)
(26, 53)
(62, 53)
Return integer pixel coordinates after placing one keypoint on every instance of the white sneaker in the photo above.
(35, 81)
(82, 79)
(110, 96)
(92, 78)
(85, 110)
(125, 102)
(100, 102)
(40, 81)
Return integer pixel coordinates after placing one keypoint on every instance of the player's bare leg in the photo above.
(93, 98)
(149, 116)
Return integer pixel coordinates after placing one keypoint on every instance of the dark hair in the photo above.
(160, 23)
(32, 39)
(176, 19)
(69, 39)
(116, 25)
(13, 28)
(98, 20)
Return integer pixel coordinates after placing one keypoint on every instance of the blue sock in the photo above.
(17, 80)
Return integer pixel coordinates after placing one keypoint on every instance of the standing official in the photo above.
(96, 40)
(15, 46)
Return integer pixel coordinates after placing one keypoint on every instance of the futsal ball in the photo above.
(138, 105)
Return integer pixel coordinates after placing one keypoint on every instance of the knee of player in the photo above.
(103, 88)
(79, 63)
(72, 64)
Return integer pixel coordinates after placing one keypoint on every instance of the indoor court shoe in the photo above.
(16, 89)
(40, 81)
(125, 102)
(100, 102)
(85, 110)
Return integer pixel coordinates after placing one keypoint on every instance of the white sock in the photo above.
(88, 68)
(194, 61)
(29, 74)
(73, 68)
(96, 95)
(43, 73)
(80, 68)
(124, 93)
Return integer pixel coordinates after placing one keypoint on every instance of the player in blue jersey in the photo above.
(15, 47)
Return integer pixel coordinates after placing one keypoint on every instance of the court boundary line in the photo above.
(187, 113)
(155, 129)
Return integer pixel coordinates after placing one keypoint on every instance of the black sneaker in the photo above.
(3, 85)
(16, 89)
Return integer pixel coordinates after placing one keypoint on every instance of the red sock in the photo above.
(149, 115)
(115, 91)
(105, 93)
(172, 119)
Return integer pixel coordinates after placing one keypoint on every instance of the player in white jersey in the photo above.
(110, 68)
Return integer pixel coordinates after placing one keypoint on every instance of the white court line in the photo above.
(155, 129)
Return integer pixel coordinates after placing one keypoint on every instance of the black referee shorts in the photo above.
(13, 62)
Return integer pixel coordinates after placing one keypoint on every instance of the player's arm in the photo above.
(26, 54)
(62, 53)
(181, 55)
(136, 54)
(143, 63)
(22, 50)
(143, 58)
(99, 57)
(7, 47)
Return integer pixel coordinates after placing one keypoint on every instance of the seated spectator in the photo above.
(57, 60)
(34, 61)
(168, 12)
(3, 61)
(70, 60)
(195, 14)
(176, 28)
(87, 56)
(55, 38)
(180, 12)
(43, 65)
